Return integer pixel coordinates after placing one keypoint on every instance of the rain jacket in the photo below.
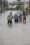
(20, 17)
(16, 16)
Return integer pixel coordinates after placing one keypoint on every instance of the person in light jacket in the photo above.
(10, 18)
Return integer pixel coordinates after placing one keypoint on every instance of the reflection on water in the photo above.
(9, 25)
(3, 18)
(17, 33)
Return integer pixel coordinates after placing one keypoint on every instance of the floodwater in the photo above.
(15, 34)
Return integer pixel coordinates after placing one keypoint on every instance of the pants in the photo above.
(10, 22)
(24, 19)
(20, 19)
(16, 20)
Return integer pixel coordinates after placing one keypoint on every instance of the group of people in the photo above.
(16, 17)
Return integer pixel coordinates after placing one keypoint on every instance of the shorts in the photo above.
(10, 22)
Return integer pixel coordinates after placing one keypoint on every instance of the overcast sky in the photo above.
(15, 0)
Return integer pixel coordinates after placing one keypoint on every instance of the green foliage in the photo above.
(27, 10)
(18, 7)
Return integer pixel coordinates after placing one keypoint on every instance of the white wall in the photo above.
(14, 6)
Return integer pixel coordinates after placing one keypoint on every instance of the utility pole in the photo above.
(29, 6)
(2, 4)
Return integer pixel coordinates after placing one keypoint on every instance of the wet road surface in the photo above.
(15, 34)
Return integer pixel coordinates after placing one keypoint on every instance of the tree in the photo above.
(18, 7)
(5, 4)
(27, 10)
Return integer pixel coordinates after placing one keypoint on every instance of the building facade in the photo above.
(15, 3)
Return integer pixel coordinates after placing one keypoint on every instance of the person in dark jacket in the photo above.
(24, 16)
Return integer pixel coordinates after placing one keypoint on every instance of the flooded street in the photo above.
(15, 34)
